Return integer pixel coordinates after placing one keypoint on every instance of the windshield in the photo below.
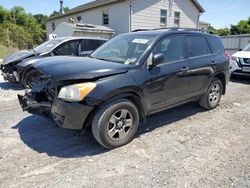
(247, 48)
(126, 49)
(47, 46)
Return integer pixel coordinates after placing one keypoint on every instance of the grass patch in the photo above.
(4, 51)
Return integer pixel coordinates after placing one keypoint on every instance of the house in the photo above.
(126, 15)
(203, 25)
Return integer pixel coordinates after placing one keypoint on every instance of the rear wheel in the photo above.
(31, 77)
(211, 98)
(116, 123)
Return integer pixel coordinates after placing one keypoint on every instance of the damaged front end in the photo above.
(9, 73)
(40, 99)
(43, 100)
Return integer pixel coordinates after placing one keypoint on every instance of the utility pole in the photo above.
(130, 14)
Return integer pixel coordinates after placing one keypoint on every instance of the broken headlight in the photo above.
(76, 92)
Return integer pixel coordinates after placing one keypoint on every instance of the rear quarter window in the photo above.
(215, 44)
(197, 46)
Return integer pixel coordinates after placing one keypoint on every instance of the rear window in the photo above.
(215, 44)
(197, 46)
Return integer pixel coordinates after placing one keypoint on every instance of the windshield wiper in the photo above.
(34, 51)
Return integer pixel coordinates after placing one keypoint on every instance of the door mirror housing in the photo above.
(158, 59)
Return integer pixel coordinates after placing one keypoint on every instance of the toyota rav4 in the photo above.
(127, 79)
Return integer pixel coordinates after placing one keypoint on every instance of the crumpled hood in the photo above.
(76, 68)
(242, 54)
(18, 56)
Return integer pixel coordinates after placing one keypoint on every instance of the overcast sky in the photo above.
(219, 13)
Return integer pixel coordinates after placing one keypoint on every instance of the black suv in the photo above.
(130, 77)
(15, 67)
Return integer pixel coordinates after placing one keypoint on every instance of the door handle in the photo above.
(213, 63)
(184, 69)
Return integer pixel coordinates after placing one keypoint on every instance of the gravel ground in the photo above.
(182, 147)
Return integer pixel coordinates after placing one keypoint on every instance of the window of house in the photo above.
(197, 46)
(177, 17)
(105, 17)
(172, 49)
(53, 26)
(163, 17)
(79, 18)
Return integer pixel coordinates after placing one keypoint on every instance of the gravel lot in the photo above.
(182, 147)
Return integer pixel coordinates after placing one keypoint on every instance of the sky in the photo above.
(219, 13)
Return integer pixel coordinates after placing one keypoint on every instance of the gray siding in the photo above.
(146, 13)
(118, 17)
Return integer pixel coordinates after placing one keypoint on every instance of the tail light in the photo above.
(228, 55)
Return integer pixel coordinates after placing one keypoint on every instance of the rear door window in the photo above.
(90, 45)
(197, 46)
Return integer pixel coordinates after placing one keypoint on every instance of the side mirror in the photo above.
(51, 53)
(158, 59)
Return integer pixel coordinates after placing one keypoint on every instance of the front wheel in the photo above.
(116, 123)
(31, 77)
(211, 98)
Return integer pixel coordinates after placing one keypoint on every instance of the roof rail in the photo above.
(173, 29)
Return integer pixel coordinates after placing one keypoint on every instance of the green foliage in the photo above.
(4, 51)
(20, 29)
(243, 27)
(223, 32)
(55, 13)
(211, 29)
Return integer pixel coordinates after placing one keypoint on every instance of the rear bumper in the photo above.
(69, 115)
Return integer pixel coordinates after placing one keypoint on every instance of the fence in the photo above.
(233, 43)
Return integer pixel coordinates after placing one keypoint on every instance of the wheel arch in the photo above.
(27, 70)
(222, 77)
(134, 97)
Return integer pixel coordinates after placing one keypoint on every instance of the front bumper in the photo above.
(10, 76)
(69, 115)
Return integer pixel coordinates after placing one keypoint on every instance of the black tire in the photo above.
(103, 126)
(30, 78)
(211, 98)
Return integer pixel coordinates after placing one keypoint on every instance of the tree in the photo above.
(21, 29)
(223, 32)
(211, 29)
(55, 13)
(243, 27)
(41, 19)
(4, 15)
